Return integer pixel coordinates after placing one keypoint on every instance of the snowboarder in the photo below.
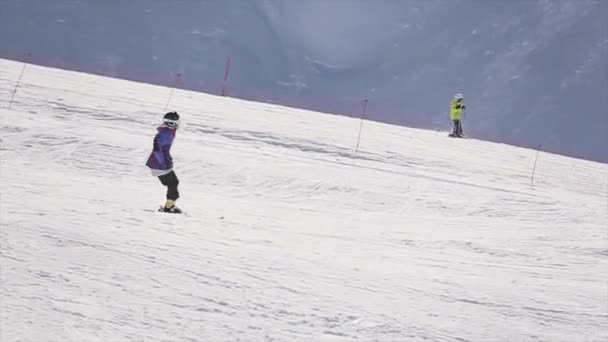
(456, 109)
(161, 163)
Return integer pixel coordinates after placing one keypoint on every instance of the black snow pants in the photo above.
(457, 128)
(170, 181)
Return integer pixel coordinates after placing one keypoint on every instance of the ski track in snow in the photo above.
(412, 237)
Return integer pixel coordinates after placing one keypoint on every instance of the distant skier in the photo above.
(456, 109)
(161, 163)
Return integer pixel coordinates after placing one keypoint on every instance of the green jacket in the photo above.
(456, 108)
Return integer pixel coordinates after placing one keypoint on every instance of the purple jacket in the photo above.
(160, 157)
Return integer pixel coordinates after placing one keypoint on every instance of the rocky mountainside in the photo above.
(533, 72)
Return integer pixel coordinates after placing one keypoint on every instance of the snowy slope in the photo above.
(532, 71)
(414, 236)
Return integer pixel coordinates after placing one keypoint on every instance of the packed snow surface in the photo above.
(293, 232)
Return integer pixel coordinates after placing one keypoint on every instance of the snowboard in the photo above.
(161, 210)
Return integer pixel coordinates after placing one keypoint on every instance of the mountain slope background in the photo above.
(533, 72)
(295, 231)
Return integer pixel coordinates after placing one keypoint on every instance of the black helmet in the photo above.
(171, 119)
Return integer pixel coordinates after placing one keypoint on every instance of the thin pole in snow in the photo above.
(361, 123)
(535, 161)
(171, 92)
(226, 73)
(169, 99)
(606, 207)
(10, 104)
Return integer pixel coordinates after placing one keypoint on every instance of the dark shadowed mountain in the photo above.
(533, 72)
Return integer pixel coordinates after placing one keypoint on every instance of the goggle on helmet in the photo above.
(171, 119)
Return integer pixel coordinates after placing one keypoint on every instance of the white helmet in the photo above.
(458, 96)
